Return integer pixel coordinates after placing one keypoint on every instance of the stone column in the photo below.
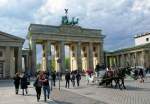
(129, 59)
(101, 55)
(27, 62)
(79, 57)
(122, 60)
(19, 59)
(7, 61)
(135, 59)
(48, 55)
(149, 58)
(117, 60)
(90, 59)
(62, 56)
(33, 57)
(145, 58)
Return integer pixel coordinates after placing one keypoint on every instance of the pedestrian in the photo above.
(73, 79)
(54, 77)
(97, 69)
(38, 85)
(17, 82)
(67, 78)
(46, 86)
(135, 74)
(141, 74)
(78, 78)
(24, 83)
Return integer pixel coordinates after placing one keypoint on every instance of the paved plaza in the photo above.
(136, 93)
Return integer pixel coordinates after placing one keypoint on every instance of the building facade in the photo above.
(142, 39)
(10, 55)
(139, 55)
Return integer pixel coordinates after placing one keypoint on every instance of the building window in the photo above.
(1, 53)
(147, 39)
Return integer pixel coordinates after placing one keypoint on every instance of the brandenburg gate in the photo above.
(85, 45)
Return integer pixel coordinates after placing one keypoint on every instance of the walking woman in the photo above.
(46, 86)
(24, 83)
(38, 85)
(17, 82)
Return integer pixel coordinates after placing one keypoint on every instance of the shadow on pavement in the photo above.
(128, 88)
(61, 102)
(131, 88)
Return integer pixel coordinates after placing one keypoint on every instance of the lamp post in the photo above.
(49, 70)
(59, 62)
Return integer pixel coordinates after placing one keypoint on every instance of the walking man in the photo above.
(67, 78)
(78, 78)
(73, 79)
(54, 77)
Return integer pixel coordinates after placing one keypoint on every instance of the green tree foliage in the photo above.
(53, 64)
(67, 63)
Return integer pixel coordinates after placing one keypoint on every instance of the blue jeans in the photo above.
(46, 89)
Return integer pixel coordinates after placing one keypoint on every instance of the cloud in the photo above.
(119, 20)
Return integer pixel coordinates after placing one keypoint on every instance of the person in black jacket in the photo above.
(38, 85)
(54, 77)
(67, 78)
(78, 78)
(17, 82)
(24, 83)
(73, 77)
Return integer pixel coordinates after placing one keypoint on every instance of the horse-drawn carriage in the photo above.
(115, 76)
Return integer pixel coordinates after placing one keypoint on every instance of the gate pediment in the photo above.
(8, 37)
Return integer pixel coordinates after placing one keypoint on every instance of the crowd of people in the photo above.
(72, 76)
(21, 80)
(42, 80)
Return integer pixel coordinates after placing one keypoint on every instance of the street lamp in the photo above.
(49, 70)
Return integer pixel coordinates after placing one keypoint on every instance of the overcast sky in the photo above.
(119, 20)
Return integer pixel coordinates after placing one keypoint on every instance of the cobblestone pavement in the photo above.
(8, 96)
(136, 93)
(67, 97)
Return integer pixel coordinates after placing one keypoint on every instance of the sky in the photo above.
(119, 20)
